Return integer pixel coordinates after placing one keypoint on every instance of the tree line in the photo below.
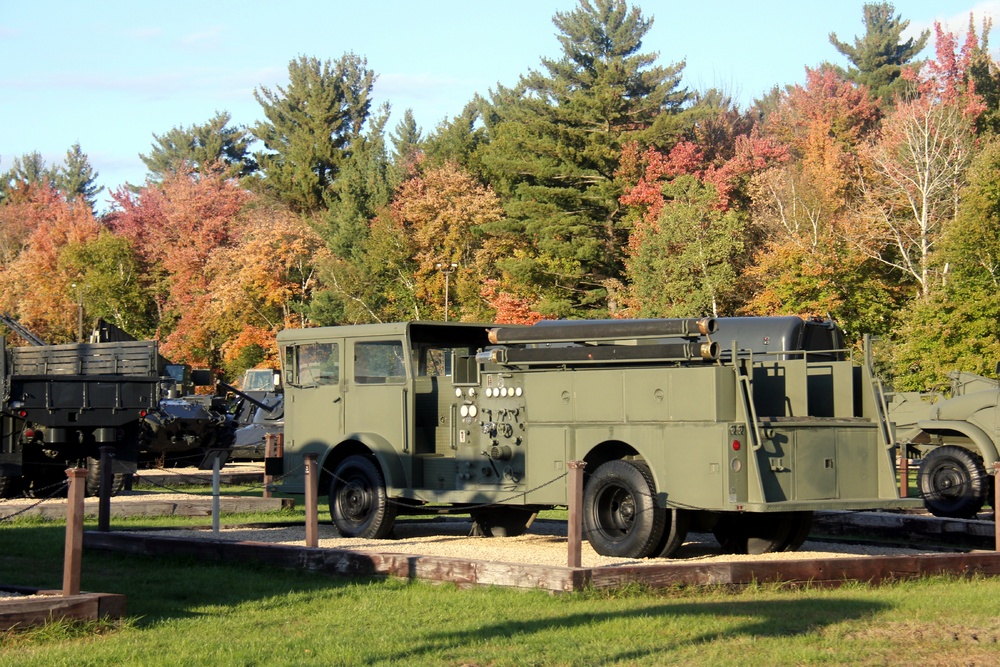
(597, 186)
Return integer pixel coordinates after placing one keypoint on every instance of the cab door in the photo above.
(314, 401)
(378, 390)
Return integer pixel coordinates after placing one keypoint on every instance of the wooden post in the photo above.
(269, 447)
(312, 491)
(73, 556)
(574, 529)
(904, 472)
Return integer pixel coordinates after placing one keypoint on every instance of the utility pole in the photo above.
(447, 270)
(79, 311)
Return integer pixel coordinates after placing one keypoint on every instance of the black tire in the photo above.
(93, 485)
(756, 533)
(620, 515)
(500, 521)
(801, 524)
(359, 506)
(953, 482)
(674, 533)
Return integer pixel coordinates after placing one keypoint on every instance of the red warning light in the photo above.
(736, 445)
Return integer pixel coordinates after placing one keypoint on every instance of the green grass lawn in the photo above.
(183, 612)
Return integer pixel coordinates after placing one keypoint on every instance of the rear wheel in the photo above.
(620, 516)
(799, 531)
(953, 482)
(753, 533)
(501, 521)
(674, 532)
(359, 505)
(94, 478)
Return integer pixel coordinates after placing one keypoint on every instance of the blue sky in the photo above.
(108, 74)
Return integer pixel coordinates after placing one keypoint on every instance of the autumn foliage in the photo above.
(580, 192)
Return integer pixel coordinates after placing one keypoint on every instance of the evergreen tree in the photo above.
(555, 144)
(879, 56)
(77, 177)
(30, 169)
(312, 126)
(458, 140)
(363, 186)
(198, 146)
(74, 178)
(406, 141)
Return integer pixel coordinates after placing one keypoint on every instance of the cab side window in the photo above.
(314, 363)
(379, 362)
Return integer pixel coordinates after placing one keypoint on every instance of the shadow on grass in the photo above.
(31, 555)
(765, 618)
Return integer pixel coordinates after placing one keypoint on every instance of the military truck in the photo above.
(261, 413)
(956, 436)
(741, 426)
(61, 403)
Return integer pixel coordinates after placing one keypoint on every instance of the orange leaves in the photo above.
(510, 309)
(35, 229)
(440, 211)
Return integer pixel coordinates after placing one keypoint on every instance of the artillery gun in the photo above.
(741, 426)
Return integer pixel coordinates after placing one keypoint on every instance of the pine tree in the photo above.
(312, 126)
(879, 56)
(406, 139)
(198, 146)
(555, 142)
(77, 177)
(363, 186)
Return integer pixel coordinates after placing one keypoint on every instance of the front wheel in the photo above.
(953, 482)
(620, 515)
(359, 505)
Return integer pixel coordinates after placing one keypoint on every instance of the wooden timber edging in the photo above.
(148, 505)
(44, 606)
(168, 479)
(903, 528)
(342, 562)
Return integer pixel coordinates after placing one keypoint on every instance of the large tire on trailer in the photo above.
(620, 515)
(500, 521)
(359, 506)
(93, 485)
(758, 533)
(953, 482)
(674, 533)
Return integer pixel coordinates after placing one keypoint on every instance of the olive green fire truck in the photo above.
(738, 426)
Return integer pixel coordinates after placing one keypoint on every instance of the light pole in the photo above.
(79, 311)
(447, 270)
